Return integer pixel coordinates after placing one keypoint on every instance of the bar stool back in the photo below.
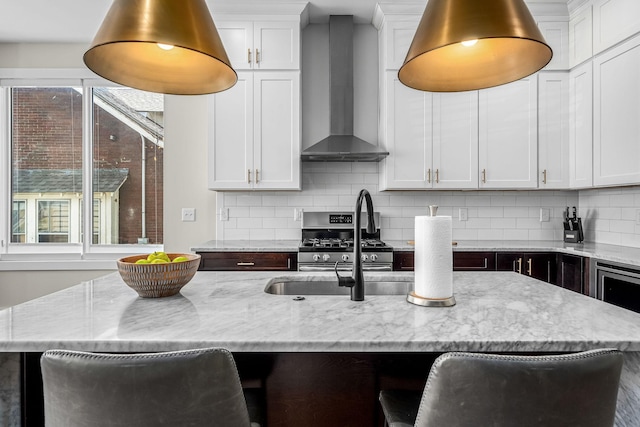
(180, 388)
(472, 389)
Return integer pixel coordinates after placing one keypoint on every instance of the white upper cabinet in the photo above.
(616, 127)
(268, 45)
(407, 136)
(581, 36)
(455, 140)
(254, 135)
(508, 135)
(614, 21)
(556, 34)
(581, 126)
(553, 130)
(395, 40)
(432, 139)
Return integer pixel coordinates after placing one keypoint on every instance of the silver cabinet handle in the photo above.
(529, 266)
(249, 56)
(429, 176)
(248, 176)
(257, 180)
(257, 56)
(437, 176)
(544, 176)
(245, 264)
(484, 176)
(519, 262)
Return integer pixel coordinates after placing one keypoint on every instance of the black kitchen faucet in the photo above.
(356, 281)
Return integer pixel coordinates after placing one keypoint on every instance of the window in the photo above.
(53, 221)
(18, 221)
(57, 166)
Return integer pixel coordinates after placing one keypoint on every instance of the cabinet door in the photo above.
(237, 38)
(616, 127)
(614, 21)
(580, 36)
(571, 273)
(231, 136)
(553, 130)
(396, 40)
(455, 140)
(508, 135)
(276, 45)
(407, 137)
(509, 261)
(581, 127)
(541, 266)
(277, 130)
(556, 34)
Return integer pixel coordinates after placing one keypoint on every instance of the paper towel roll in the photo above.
(433, 257)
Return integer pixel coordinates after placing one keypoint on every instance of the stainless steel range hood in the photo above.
(342, 145)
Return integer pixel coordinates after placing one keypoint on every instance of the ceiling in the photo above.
(76, 21)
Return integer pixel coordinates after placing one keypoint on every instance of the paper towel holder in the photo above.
(416, 299)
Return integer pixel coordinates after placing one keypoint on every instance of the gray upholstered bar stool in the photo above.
(472, 389)
(180, 388)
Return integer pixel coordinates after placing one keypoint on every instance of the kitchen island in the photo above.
(495, 312)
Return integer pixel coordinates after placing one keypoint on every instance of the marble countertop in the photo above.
(495, 311)
(612, 253)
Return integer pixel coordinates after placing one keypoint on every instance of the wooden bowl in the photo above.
(158, 280)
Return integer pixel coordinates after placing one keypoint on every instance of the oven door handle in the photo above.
(377, 268)
(318, 268)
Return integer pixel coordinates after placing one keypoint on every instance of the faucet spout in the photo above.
(357, 290)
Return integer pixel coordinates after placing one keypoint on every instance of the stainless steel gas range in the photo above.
(327, 239)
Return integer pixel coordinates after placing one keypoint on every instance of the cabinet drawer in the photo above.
(474, 261)
(247, 261)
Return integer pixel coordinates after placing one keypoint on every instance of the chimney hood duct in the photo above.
(342, 145)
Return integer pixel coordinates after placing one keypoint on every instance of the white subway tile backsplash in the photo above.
(609, 215)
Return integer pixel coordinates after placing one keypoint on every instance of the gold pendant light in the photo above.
(166, 46)
(473, 44)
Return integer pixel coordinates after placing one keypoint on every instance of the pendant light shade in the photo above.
(472, 44)
(166, 46)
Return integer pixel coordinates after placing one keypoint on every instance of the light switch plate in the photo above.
(224, 214)
(463, 214)
(188, 214)
(297, 214)
(545, 216)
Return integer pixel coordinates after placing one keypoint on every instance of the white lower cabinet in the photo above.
(581, 127)
(254, 133)
(616, 126)
(508, 135)
(432, 139)
(553, 130)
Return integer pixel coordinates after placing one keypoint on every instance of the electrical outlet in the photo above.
(544, 215)
(463, 214)
(188, 214)
(297, 214)
(224, 214)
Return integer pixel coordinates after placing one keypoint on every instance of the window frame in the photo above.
(94, 255)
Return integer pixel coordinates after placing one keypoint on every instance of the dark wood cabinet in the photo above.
(403, 261)
(573, 273)
(248, 261)
(539, 265)
(474, 261)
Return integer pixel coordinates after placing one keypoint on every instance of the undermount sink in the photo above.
(330, 287)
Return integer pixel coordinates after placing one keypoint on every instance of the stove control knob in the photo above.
(316, 258)
(374, 257)
(326, 257)
(345, 257)
(365, 257)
